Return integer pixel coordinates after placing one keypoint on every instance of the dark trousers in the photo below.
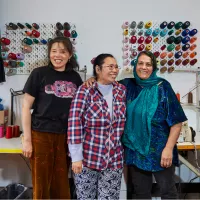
(142, 182)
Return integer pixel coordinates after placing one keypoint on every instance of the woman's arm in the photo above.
(26, 124)
(167, 154)
(75, 128)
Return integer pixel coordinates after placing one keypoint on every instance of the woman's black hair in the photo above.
(72, 63)
(150, 55)
(99, 60)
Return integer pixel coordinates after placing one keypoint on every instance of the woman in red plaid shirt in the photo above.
(95, 126)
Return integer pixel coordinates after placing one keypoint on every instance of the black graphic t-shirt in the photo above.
(53, 92)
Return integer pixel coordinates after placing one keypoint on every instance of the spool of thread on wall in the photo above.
(190, 97)
(178, 96)
(1, 131)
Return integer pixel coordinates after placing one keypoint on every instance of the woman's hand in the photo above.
(166, 157)
(27, 148)
(77, 167)
(89, 82)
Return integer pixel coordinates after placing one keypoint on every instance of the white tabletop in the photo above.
(13, 145)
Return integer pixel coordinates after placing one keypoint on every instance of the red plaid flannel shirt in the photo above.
(90, 123)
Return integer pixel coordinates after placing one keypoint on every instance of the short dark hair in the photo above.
(72, 63)
(99, 60)
(150, 55)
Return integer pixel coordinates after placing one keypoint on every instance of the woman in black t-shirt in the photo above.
(49, 90)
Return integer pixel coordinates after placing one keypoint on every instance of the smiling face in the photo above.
(59, 56)
(107, 73)
(144, 67)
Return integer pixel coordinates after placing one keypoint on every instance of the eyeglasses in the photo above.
(111, 67)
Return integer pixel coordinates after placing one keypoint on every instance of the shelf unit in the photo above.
(194, 107)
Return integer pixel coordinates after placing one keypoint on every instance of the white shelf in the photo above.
(190, 106)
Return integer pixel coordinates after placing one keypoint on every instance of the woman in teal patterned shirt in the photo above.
(153, 125)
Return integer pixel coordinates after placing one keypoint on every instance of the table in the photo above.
(13, 145)
(186, 146)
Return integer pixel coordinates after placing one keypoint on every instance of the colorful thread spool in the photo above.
(155, 39)
(141, 47)
(148, 25)
(156, 32)
(193, 54)
(171, 25)
(148, 40)
(171, 47)
(178, 40)
(16, 131)
(178, 54)
(170, 39)
(125, 25)
(185, 47)
(163, 25)
(193, 62)
(178, 47)
(192, 47)
(133, 24)
(193, 32)
(185, 25)
(170, 69)
(140, 24)
(178, 25)
(8, 132)
(148, 32)
(156, 54)
(163, 32)
(170, 32)
(140, 32)
(1, 131)
(185, 54)
(170, 62)
(178, 32)
(5, 41)
(178, 62)
(185, 32)
(185, 62)
(163, 55)
(193, 39)
(163, 47)
(185, 40)
(170, 54)
(148, 47)
(133, 32)
(141, 40)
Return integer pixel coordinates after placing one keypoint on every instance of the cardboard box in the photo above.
(3, 117)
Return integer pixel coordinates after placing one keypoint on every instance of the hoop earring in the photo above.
(69, 60)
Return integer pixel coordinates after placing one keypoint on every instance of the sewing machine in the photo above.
(187, 133)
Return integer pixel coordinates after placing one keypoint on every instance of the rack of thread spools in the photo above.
(24, 45)
(173, 43)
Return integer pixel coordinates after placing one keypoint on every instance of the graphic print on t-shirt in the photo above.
(63, 89)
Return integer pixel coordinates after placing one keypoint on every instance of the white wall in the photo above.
(99, 28)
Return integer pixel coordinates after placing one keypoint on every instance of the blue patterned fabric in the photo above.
(136, 135)
(168, 113)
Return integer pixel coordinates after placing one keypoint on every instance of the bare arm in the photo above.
(167, 154)
(26, 123)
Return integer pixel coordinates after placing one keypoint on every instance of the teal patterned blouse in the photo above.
(168, 113)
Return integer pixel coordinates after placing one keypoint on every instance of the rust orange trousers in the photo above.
(49, 166)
